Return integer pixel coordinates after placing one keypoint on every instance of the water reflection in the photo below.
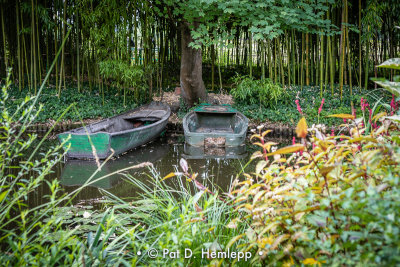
(215, 171)
(78, 172)
(192, 152)
(215, 168)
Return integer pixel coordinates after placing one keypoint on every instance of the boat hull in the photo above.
(219, 123)
(83, 143)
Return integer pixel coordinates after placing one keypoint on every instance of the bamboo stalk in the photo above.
(250, 54)
(302, 62)
(219, 68)
(19, 59)
(77, 52)
(342, 49)
(321, 80)
(293, 48)
(307, 60)
(281, 63)
(33, 47)
(262, 61)
(212, 66)
(38, 47)
(62, 67)
(4, 39)
(349, 56)
(359, 43)
(288, 57)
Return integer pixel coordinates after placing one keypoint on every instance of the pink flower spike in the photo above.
(392, 104)
(370, 114)
(344, 120)
(294, 140)
(362, 104)
(332, 132)
(320, 107)
(298, 106)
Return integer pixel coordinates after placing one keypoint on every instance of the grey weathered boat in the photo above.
(211, 122)
(117, 134)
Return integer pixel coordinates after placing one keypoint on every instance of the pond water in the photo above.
(216, 169)
(164, 153)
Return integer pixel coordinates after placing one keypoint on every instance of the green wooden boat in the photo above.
(215, 122)
(117, 134)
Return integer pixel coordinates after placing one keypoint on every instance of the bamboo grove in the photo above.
(362, 34)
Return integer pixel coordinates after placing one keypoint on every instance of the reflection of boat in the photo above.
(235, 152)
(77, 172)
(206, 123)
(117, 134)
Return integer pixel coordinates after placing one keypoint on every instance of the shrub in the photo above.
(333, 202)
(262, 92)
(122, 75)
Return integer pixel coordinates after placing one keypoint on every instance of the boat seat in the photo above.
(146, 115)
(101, 127)
(213, 130)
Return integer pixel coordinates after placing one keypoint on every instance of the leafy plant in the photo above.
(392, 87)
(89, 103)
(330, 201)
(310, 100)
(122, 75)
(262, 92)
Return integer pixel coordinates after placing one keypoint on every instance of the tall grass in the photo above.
(169, 216)
(176, 216)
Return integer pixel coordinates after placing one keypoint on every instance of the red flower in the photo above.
(362, 104)
(298, 106)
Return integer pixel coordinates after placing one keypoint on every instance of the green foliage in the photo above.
(392, 87)
(309, 99)
(21, 227)
(123, 75)
(249, 91)
(336, 203)
(49, 234)
(183, 108)
(175, 216)
(218, 19)
(89, 103)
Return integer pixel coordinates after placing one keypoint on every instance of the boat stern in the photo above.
(224, 124)
(86, 146)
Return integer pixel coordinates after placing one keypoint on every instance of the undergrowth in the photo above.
(88, 102)
(284, 111)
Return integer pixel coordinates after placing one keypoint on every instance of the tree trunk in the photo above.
(192, 85)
